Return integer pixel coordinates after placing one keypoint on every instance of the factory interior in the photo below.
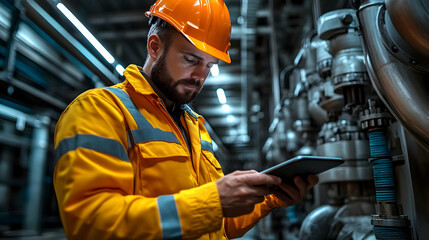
(334, 78)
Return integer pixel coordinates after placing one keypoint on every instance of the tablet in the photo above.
(302, 166)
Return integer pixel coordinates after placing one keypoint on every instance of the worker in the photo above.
(134, 161)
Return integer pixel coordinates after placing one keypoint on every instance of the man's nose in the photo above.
(200, 73)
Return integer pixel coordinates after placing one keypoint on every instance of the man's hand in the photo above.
(289, 195)
(241, 190)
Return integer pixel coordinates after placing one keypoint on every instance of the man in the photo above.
(135, 162)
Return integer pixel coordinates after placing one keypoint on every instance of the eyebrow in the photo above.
(199, 58)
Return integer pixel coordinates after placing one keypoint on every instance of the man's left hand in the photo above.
(289, 195)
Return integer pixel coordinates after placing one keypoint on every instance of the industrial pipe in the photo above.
(318, 223)
(410, 18)
(404, 91)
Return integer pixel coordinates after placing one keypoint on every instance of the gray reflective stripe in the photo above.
(189, 110)
(170, 222)
(153, 134)
(92, 142)
(206, 146)
(126, 100)
(145, 132)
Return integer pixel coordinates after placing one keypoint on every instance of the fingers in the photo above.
(312, 180)
(244, 172)
(301, 185)
(241, 190)
(261, 179)
(286, 200)
(292, 194)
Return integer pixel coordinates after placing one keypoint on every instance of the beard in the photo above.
(165, 83)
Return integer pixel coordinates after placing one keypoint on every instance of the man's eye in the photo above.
(190, 60)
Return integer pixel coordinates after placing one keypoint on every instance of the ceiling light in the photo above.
(221, 95)
(86, 33)
(214, 70)
(120, 69)
(226, 108)
(230, 118)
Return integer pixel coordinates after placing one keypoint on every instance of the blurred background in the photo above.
(343, 78)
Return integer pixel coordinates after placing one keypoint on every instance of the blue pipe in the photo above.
(382, 167)
(384, 184)
(391, 233)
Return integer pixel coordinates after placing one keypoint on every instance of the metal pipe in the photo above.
(404, 92)
(57, 32)
(274, 56)
(410, 18)
(38, 157)
(318, 223)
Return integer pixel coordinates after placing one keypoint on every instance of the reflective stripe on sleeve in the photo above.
(205, 145)
(170, 222)
(93, 142)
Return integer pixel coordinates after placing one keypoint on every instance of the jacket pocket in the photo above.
(165, 168)
(212, 165)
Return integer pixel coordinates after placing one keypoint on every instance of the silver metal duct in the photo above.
(404, 91)
(410, 18)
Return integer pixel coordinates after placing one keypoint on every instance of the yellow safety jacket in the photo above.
(124, 170)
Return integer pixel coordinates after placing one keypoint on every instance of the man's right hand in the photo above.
(241, 190)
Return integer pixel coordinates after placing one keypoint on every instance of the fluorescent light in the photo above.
(214, 70)
(230, 118)
(221, 95)
(120, 69)
(86, 33)
(226, 108)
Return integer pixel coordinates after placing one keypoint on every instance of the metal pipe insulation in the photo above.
(410, 18)
(403, 91)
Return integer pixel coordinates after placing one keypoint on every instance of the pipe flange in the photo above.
(397, 46)
(324, 67)
(388, 209)
(349, 79)
(398, 221)
(340, 131)
(374, 118)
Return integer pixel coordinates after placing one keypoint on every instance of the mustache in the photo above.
(189, 81)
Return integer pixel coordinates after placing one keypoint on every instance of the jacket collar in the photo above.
(136, 79)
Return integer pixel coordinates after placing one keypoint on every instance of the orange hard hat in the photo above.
(205, 23)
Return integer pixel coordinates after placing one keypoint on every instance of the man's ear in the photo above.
(154, 46)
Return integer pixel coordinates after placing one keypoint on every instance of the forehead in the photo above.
(183, 45)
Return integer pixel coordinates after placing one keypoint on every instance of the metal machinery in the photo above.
(359, 90)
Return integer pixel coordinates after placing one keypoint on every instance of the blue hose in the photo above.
(382, 167)
(384, 184)
(390, 233)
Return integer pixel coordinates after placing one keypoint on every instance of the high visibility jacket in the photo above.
(124, 170)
